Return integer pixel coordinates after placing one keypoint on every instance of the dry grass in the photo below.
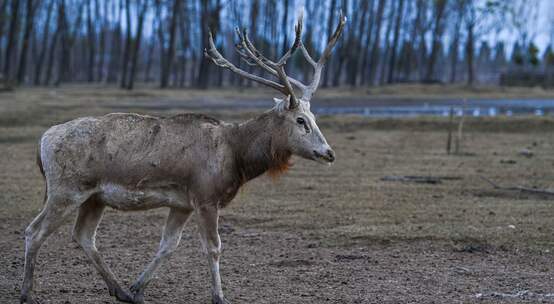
(344, 208)
(346, 199)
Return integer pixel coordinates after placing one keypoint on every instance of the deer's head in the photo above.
(303, 137)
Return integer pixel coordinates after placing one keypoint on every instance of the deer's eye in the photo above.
(300, 121)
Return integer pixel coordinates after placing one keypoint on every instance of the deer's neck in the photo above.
(259, 146)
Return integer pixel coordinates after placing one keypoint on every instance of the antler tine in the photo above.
(270, 66)
(280, 66)
(213, 54)
(307, 55)
(333, 40)
(244, 56)
(297, 40)
(254, 54)
(248, 53)
(250, 46)
(318, 66)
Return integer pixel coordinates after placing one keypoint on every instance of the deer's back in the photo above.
(134, 151)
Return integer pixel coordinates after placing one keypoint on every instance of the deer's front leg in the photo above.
(207, 218)
(173, 229)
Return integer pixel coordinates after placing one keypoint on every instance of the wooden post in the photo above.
(449, 129)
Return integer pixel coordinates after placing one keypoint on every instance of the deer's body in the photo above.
(134, 162)
(190, 163)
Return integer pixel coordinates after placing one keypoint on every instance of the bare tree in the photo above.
(53, 45)
(170, 54)
(101, 38)
(330, 19)
(29, 21)
(136, 46)
(91, 37)
(12, 37)
(394, 46)
(114, 63)
(44, 44)
(367, 42)
(458, 8)
(438, 30)
(3, 15)
(479, 18)
(128, 44)
(376, 42)
(386, 53)
(209, 18)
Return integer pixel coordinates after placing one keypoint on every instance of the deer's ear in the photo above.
(287, 103)
(283, 103)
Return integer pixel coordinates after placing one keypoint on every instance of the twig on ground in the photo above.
(518, 188)
(419, 179)
(524, 294)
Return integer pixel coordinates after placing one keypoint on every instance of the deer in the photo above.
(190, 163)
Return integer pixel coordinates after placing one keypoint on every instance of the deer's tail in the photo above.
(41, 168)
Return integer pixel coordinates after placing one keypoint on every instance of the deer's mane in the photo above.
(280, 163)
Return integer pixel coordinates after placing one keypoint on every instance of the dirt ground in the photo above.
(319, 234)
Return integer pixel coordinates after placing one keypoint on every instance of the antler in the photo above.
(309, 91)
(252, 56)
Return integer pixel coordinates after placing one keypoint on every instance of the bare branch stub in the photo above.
(252, 56)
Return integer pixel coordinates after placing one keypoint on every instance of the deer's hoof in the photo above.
(123, 296)
(219, 300)
(28, 299)
(138, 293)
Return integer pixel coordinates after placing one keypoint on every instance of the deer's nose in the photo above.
(330, 155)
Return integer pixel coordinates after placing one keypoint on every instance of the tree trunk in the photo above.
(68, 39)
(375, 49)
(3, 15)
(44, 44)
(454, 50)
(209, 19)
(469, 54)
(149, 57)
(185, 43)
(12, 38)
(413, 34)
(136, 48)
(161, 37)
(440, 6)
(329, 34)
(91, 37)
(115, 50)
(29, 21)
(64, 59)
(171, 47)
(392, 62)
(367, 44)
(102, 38)
(354, 52)
(52, 49)
(254, 33)
(388, 31)
(127, 50)
(285, 25)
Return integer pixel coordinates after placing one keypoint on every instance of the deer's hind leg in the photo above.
(170, 240)
(208, 217)
(84, 233)
(57, 208)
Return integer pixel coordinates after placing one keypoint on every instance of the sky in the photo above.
(543, 27)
